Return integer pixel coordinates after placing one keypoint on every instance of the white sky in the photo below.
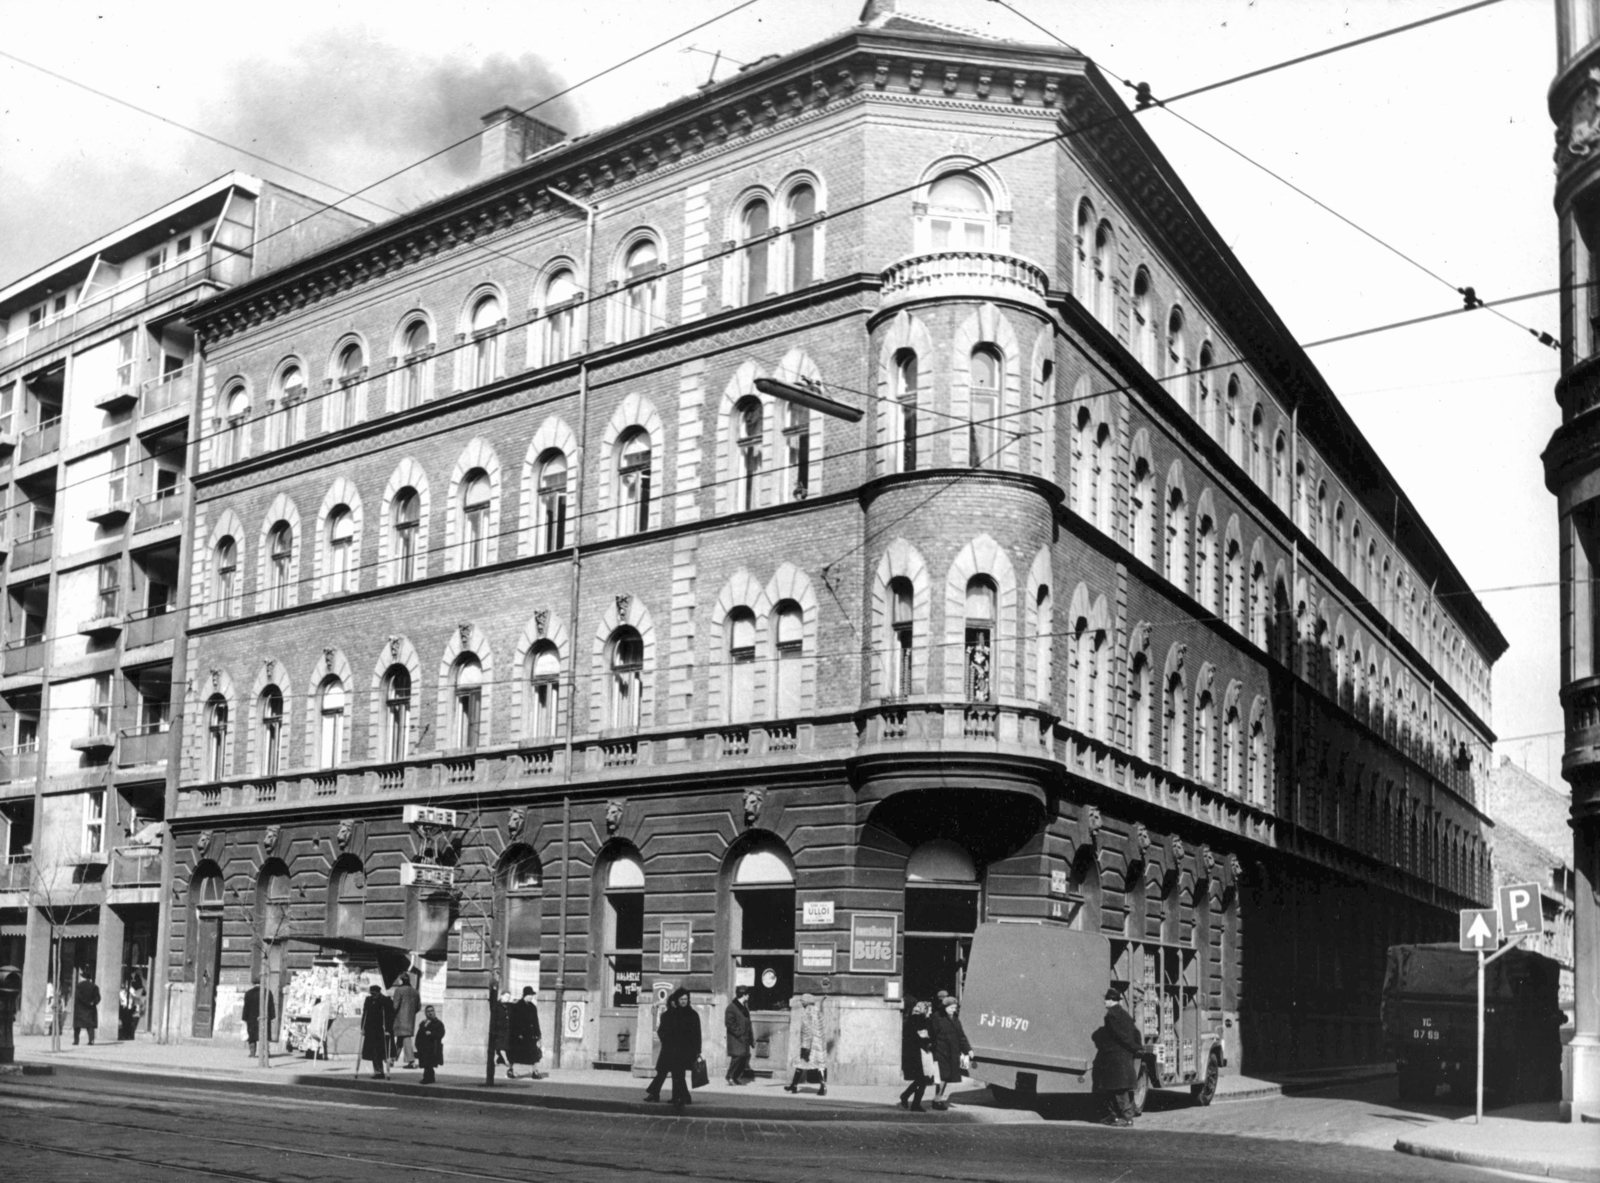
(1436, 140)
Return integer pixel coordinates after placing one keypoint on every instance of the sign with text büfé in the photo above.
(872, 942)
(472, 951)
(677, 946)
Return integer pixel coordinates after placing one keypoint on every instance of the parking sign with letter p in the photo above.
(1520, 909)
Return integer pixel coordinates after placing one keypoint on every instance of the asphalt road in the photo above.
(160, 1131)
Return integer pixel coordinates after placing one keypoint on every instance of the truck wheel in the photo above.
(1141, 1089)
(1004, 1098)
(1415, 1084)
(1205, 1092)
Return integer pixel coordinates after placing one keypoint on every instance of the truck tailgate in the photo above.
(1034, 997)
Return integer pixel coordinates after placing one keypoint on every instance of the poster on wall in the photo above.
(817, 957)
(473, 950)
(572, 1016)
(431, 987)
(677, 946)
(872, 942)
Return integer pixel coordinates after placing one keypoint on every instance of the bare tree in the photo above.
(268, 923)
(60, 903)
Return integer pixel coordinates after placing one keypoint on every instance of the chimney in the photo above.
(876, 12)
(510, 138)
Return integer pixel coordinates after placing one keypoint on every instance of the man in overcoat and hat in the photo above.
(1116, 1063)
(741, 1035)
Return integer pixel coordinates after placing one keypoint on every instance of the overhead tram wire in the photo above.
(1467, 293)
(724, 252)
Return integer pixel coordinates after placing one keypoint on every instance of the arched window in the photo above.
(1302, 500)
(1142, 510)
(347, 899)
(1043, 642)
(633, 481)
(1172, 715)
(642, 295)
(789, 641)
(396, 713)
(941, 913)
(1322, 522)
(1083, 487)
(1257, 459)
(544, 691)
(1233, 585)
(1144, 327)
(1177, 561)
(740, 630)
(520, 885)
(560, 316)
(1104, 290)
(1105, 473)
(1206, 410)
(416, 353)
(284, 425)
(960, 214)
(1233, 425)
(1258, 605)
(622, 929)
(905, 371)
(801, 209)
(341, 559)
(280, 557)
(747, 453)
(1341, 541)
(981, 615)
(755, 221)
(344, 401)
(233, 441)
(1178, 382)
(1140, 706)
(1083, 282)
(217, 737)
(762, 923)
(795, 481)
(272, 908)
(330, 734)
(1258, 762)
(1205, 738)
(467, 701)
(902, 636)
(487, 322)
(1280, 472)
(1086, 645)
(226, 566)
(1230, 751)
(475, 499)
(626, 660)
(1205, 562)
(269, 712)
(982, 442)
(407, 517)
(550, 526)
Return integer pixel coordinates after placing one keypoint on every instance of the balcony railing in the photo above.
(157, 509)
(107, 614)
(146, 744)
(16, 872)
(23, 656)
(39, 441)
(32, 548)
(150, 626)
(135, 866)
(20, 763)
(980, 275)
(169, 390)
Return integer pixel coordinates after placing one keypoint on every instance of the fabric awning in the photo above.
(77, 932)
(392, 960)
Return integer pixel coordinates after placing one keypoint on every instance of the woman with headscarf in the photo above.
(949, 1046)
(916, 1054)
(680, 1047)
(525, 1034)
(499, 1026)
(376, 1020)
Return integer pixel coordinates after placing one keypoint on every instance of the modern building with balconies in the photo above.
(753, 544)
(97, 393)
(1572, 473)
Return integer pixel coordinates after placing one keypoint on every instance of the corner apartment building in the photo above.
(532, 638)
(1572, 473)
(97, 390)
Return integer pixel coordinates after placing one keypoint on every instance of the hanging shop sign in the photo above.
(429, 815)
(427, 875)
(872, 942)
(677, 946)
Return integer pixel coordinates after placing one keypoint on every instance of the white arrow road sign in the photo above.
(1478, 929)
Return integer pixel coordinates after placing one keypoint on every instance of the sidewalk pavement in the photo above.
(588, 1089)
(1527, 1139)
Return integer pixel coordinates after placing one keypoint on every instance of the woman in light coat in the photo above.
(813, 1047)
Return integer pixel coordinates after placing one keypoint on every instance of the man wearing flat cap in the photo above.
(1116, 1063)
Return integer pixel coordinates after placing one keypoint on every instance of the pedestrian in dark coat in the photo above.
(430, 1044)
(949, 1046)
(741, 1035)
(252, 1015)
(680, 1047)
(523, 1025)
(377, 1019)
(1118, 1047)
(85, 1009)
(916, 1054)
(406, 1004)
(499, 1025)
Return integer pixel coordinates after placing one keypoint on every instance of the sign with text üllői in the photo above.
(1521, 913)
(1478, 933)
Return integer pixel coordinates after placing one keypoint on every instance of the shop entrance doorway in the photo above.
(941, 914)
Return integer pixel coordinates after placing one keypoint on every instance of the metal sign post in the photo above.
(1519, 914)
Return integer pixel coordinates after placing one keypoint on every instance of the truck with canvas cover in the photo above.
(1034, 997)
(1430, 1022)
